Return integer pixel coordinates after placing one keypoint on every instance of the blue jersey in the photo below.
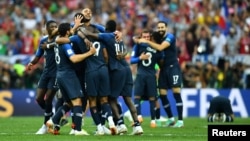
(171, 56)
(79, 47)
(49, 55)
(97, 60)
(113, 48)
(65, 68)
(145, 66)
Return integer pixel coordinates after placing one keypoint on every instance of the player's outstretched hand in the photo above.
(88, 43)
(120, 55)
(77, 20)
(29, 66)
(118, 36)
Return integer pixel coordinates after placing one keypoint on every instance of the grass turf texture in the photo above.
(24, 128)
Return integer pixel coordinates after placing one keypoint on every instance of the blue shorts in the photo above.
(145, 86)
(97, 82)
(170, 77)
(48, 82)
(121, 82)
(70, 87)
(81, 76)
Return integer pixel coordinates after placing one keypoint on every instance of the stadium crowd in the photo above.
(217, 30)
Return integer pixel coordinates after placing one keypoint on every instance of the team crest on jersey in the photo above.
(69, 51)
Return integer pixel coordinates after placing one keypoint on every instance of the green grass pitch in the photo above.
(24, 128)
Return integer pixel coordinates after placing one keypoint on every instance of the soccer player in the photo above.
(120, 75)
(47, 85)
(220, 110)
(97, 78)
(170, 73)
(68, 82)
(79, 47)
(145, 85)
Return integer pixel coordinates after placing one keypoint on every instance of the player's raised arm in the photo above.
(160, 47)
(79, 57)
(62, 40)
(135, 58)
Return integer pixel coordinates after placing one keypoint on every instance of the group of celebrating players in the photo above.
(86, 63)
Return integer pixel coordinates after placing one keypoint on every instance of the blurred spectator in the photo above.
(228, 75)
(209, 75)
(246, 78)
(218, 43)
(182, 49)
(238, 71)
(204, 41)
(245, 42)
(191, 44)
(19, 69)
(208, 28)
(28, 40)
(190, 76)
(232, 41)
(14, 45)
(5, 77)
(4, 38)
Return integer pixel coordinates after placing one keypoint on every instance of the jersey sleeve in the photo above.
(106, 36)
(99, 27)
(73, 38)
(40, 51)
(68, 50)
(169, 38)
(134, 55)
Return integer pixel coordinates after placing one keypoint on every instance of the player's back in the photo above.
(79, 47)
(97, 60)
(147, 66)
(113, 47)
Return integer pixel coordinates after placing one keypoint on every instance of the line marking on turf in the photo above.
(163, 135)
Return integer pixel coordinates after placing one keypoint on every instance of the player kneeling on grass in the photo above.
(220, 110)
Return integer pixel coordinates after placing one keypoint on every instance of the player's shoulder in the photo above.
(143, 44)
(44, 38)
(67, 44)
(74, 37)
(170, 35)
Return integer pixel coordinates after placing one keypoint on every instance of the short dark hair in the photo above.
(49, 22)
(166, 24)
(63, 28)
(79, 14)
(111, 26)
(156, 36)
